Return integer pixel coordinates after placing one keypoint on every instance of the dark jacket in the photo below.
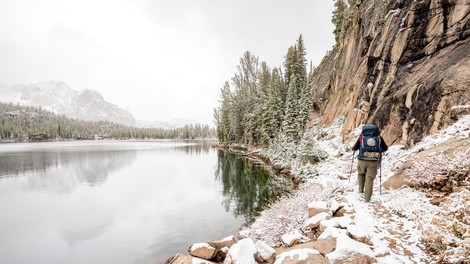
(383, 145)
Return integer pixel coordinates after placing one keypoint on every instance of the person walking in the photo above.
(370, 145)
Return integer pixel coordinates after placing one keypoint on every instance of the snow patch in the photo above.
(301, 253)
(243, 251)
(345, 246)
(200, 245)
(292, 237)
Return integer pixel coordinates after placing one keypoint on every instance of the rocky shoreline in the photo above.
(315, 246)
(246, 246)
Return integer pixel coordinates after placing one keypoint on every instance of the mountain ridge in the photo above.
(87, 105)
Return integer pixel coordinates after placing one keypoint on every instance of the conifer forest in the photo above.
(25, 123)
(260, 103)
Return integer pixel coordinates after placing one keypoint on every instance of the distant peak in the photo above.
(91, 93)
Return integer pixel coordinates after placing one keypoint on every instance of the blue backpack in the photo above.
(369, 148)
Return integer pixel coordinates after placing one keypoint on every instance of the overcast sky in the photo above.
(159, 59)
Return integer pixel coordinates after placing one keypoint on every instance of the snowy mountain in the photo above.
(59, 98)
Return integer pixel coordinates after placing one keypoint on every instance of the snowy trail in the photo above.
(395, 238)
(401, 223)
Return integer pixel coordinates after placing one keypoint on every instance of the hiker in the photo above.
(370, 145)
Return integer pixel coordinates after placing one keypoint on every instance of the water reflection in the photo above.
(247, 188)
(63, 170)
(196, 147)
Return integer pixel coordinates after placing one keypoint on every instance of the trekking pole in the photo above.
(380, 167)
(380, 177)
(350, 172)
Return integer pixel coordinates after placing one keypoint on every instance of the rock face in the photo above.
(404, 65)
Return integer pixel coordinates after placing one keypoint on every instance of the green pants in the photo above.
(366, 172)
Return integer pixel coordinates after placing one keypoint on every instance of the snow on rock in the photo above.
(334, 206)
(185, 259)
(337, 222)
(317, 207)
(225, 242)
(242, 252)
(202, 250)
(346, 247)
(359, 234)
(244, 234)
(314, 221)
(305, 255)
(332, 231)
(344, 221)
(292, 238)
(265, 252)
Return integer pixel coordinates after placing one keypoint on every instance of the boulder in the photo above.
(325, 246)
(226, 242)
(331, 231)
(185, 259)
(334, 222)
(344, 221)
(341, 212)
(292, 238)
(359, 234)
(314, 221)
(349, 251)
(357, 259)
(315, 208)
(334, 206)
(242, 252)
(301, 256)
(242, 234)
(265, 253)
(202, 250)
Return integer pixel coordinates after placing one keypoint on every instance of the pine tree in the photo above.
(222, 115)
(290, 128)
(267, 129)
(338, 19)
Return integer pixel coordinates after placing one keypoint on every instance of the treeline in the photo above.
(30, 123)
(260, 102)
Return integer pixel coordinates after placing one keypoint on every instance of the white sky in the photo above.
(160, 59)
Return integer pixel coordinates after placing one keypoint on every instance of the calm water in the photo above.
(121, 202)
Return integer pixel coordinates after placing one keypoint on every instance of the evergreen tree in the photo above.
(222, 115)
(290, 64)
(290, 128)
(339, 16)
(267, 108)
(279, 95)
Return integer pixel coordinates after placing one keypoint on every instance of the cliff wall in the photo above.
(402, 64)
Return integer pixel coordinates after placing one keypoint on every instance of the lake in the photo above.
(122, 202)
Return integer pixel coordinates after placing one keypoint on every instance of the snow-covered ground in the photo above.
(401, 223)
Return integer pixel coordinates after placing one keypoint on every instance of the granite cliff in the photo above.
(404, 65)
